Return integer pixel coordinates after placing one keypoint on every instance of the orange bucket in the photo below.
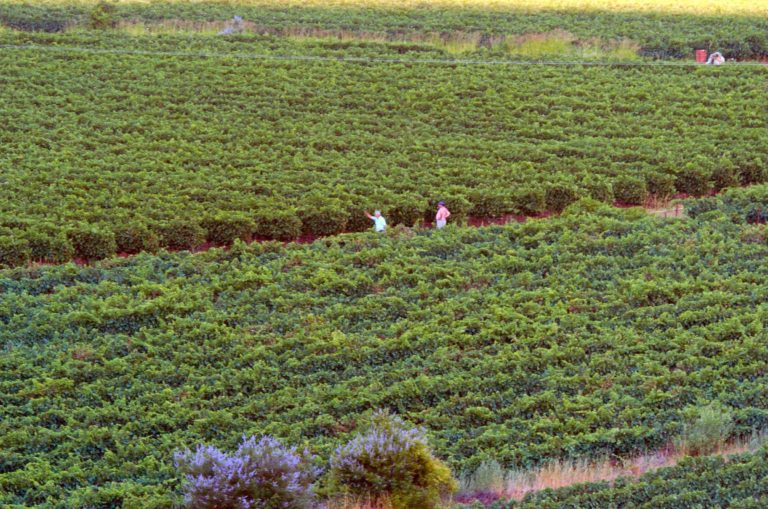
(701, 55)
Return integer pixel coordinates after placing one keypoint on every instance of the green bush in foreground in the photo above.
(708, 430)
(392, 461)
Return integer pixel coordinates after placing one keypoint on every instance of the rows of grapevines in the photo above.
(738, 32)
(597, 332)
(121, 152)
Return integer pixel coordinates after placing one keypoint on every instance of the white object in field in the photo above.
(233, 27)
(716, 58)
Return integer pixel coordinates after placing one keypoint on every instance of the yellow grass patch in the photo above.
(698, 7)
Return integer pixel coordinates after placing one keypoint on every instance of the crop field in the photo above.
(109, 151)
(597, 332)
(165, 344)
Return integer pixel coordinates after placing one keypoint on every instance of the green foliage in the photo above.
(407, 210)
(181, 234)
(559, 196)
(277, 224)
(13, 252)
(725, 174)
(660, 31)
(48, 245)
(630, 190)
(103, 15)
(599, 188)
(531, 200)
(710, 427)
(490, 203)
(92, 243)
(392, 461)
(694, 179)
(660, 185)
(324, 219)
(134, 237)
(224, 228)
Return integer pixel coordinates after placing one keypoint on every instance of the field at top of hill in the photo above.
(600, 331)
(128, 144)
(661, 28)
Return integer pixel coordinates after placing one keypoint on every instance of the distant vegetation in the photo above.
(662, 29)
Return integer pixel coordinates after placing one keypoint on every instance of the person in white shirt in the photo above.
(379, 223)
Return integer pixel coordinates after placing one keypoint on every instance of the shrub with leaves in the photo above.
(660, 185)
(92, 243)
(408, 210)
(103, 15)
(182, 234)
(708, 429)
(530, 200)
(13, 252)
(695, 178)
(277, 224)
(630, 190)
(391, 461)
(599, 188)
(224, 228)
(558, 196)
(323, 219)
(49, 245)
(134, 237)
(261, 474)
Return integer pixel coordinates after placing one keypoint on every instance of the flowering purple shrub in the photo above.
(391, 460)
(261, 474)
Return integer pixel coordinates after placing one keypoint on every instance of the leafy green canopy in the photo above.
(136, 151)
(585, 334)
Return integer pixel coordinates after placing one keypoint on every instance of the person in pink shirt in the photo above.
(442, 215)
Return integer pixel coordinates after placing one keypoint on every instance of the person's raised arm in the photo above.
(367, 214)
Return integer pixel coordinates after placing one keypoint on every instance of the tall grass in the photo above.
(515, 484)
(560, 43)
(555, 44)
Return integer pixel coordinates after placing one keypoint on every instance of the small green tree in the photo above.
(707, 431)
(391, 461)
(103, 15)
